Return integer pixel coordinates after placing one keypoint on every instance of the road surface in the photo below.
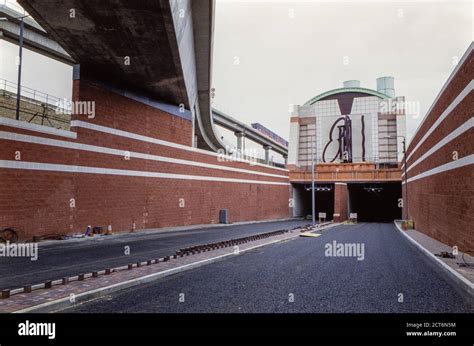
(69, 258)
(297, 276)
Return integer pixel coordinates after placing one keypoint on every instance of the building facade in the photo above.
(355, 136)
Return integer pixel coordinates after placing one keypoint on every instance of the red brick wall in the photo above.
(442, 204)
(116, 111)
(340, 202)
(37, 202)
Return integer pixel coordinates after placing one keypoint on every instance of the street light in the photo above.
(405, 173)
(313, 198)
(406, 177)
(20, 58)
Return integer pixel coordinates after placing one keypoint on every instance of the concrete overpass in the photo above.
(179, 74)
(141, 159)
(34, 36)
(242, 130)
(161, 50)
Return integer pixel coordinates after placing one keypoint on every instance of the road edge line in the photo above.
(464, 284)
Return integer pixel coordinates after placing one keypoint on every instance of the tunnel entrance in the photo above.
(324, 197)
(375, 202)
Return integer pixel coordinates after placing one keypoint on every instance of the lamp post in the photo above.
(313, 198)
(406, 177)
(20, 59)
(405, 201)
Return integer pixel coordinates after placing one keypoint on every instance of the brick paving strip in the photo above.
(56, 295)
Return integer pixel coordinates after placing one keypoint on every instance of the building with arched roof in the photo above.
(355, 137)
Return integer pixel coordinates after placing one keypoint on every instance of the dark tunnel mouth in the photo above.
(373, 202)
(324, 197)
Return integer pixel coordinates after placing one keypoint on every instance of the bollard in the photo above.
(5, 294)
(139, 264)
(65, 281)
(48, 284)
(27, 289)
(130, 266)
(80, 277)
(95, 274)
(108, 271)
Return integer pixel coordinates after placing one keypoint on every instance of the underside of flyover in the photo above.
(124, 43)
(146, 48)
(373, 202)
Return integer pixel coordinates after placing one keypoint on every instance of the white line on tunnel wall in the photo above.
(38, 166)
(118, 152)
(465, 161)
(444, 115)
(115, 132)
(456, 133)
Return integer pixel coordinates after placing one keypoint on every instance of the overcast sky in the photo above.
(270, 54)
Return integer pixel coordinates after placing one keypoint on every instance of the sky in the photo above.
(269, 55)
(38, 72)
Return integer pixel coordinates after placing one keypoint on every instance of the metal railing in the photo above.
(38, 97)
(35, 107)
(355, 160)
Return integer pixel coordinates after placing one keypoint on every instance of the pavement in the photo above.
(71, 257)
(298, 276)
(459, 269)
(436, 247)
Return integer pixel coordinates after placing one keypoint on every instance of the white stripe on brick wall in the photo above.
(122, 153)
(38, 166)
(37, 128)
(456, 133)
(443, 115)
(112, 131)
(465, 161)
(448, 81)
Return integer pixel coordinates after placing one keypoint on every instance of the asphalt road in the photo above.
(68, 258)
(264, 280)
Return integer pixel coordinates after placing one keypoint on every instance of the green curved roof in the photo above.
(345, 90)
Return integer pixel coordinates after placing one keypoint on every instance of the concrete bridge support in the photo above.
(267, 149)
(240, 141)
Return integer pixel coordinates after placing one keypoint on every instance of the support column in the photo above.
(240, 139)
(340, 202)
(267, 153)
